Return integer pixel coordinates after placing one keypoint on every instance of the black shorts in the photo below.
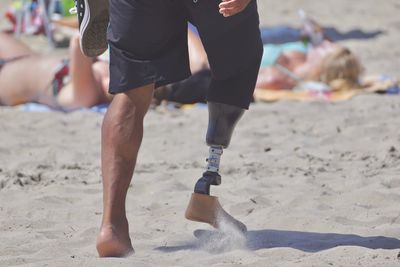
(148, 44)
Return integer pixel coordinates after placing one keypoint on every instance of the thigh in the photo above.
(26, 79)
(233, 43)
(145, 28)
(234, 49)
(11, 47)
(148, 43)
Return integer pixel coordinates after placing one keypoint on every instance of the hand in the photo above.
(231, 7)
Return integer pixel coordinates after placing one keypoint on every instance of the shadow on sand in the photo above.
(304, 241)
(283, 34)
(357, 34)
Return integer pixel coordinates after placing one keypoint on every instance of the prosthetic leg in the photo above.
(203, 207)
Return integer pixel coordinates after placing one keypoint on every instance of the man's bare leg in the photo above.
(122, 134)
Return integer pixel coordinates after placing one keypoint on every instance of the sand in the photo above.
(317, 184)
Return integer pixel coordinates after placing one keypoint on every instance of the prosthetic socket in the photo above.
(221, 123)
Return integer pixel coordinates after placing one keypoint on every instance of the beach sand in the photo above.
(317, 184)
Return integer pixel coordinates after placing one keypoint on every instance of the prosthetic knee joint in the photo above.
(222, 121)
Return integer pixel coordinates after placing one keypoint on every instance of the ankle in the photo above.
(114, 222)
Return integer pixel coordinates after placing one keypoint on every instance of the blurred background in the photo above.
(370, 28)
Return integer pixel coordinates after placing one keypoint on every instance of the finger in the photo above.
(229, 12)
(228, 4)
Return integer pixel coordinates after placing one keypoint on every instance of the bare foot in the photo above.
(112, 242)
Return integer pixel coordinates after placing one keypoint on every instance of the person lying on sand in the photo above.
(284, 67)
(323, 63)
(311, 58)
(79, 82)
(27, 76)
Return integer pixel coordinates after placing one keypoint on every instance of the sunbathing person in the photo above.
(27, 76)
(313, 57)
(284, 66)
(325, 63)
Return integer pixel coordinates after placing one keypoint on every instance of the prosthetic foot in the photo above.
(203, 207)
(206, 209)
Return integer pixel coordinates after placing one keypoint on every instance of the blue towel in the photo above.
(273, 51)
(34, 107)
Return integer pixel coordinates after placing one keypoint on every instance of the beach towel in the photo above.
(273, 51)
(35, 107)
(382, 84)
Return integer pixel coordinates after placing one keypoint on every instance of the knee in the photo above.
(135, 101)
(122, 118)
(124, 109)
